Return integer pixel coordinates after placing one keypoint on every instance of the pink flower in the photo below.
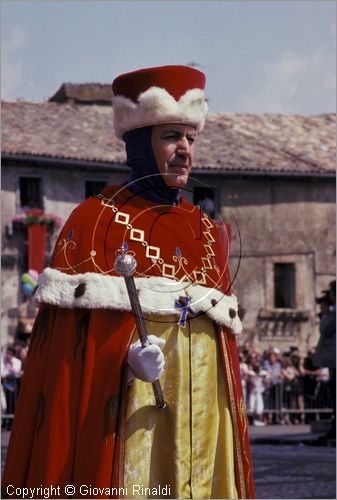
(37, 216)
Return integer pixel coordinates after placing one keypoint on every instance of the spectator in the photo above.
(310, 373)
(244, 375)
(10, 373)
(297, 363)
(274, 387)
(289, 375)
(21, 351)
(292, 388)
(257, 382)
(3, 402)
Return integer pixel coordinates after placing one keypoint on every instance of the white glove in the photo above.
(146, 363)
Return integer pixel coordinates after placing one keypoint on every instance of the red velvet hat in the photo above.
(154, 96)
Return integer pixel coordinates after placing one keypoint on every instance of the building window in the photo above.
(205, 199)
(30, 192)
(284, 286)
(93, 187)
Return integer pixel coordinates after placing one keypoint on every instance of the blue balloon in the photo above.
(27, 289)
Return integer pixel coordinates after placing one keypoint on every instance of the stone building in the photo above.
(271, 177)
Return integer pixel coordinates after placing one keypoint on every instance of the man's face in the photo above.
(173, 149)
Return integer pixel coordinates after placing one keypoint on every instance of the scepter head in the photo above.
(125, 263)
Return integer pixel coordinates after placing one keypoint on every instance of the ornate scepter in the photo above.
(125, 265)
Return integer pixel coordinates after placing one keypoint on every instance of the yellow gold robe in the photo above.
(188, 446)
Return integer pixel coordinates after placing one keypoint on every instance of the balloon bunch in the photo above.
(29, 282)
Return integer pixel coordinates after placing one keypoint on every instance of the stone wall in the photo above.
(280, 220)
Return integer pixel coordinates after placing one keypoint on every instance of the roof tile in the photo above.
(229, 142)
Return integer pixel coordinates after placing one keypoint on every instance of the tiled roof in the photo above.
(84, 93)
(258, 143)
(66, 131)
(269, 143)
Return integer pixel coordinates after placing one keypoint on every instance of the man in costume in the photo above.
(86, 414)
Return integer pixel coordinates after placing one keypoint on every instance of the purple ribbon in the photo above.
(183, 304)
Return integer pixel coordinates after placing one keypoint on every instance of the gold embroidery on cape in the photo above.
(137, 235)
(65, 245)
(198, 275)
(107, 202)
(168, 270)
(244, 422)
(122, 218)
(207, 222)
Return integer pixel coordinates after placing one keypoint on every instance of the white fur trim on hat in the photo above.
(157, 295)
(156, 106)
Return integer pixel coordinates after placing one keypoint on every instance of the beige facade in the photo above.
(275, 220)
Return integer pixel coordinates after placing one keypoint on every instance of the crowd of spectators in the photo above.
(287, 388)
(283, 388)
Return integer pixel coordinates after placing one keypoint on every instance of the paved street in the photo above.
(287, 463)
(294, 471)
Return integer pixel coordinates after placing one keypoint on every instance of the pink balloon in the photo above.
(33, 274)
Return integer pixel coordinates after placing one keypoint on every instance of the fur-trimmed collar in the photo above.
(157, 295)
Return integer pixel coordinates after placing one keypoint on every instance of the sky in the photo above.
(259, 56)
